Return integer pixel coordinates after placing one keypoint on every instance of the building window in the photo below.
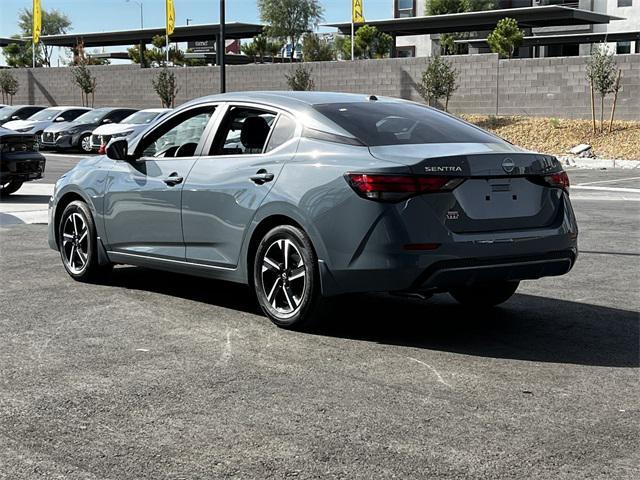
(624, 3)
(404, 8)
(406, 51)
(623, 47)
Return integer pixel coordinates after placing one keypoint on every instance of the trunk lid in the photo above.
(504, 186)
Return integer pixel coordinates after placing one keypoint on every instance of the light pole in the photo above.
(139, 3)
(221, 50)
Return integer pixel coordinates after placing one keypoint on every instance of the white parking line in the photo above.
(607, 181)
(28, 205)
(67, 155)
(607, 189)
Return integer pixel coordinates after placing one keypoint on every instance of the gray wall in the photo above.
(554, 87)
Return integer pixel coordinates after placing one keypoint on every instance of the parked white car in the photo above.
(37, 122)
(129, 127)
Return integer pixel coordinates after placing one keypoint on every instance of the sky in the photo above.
(106, 15)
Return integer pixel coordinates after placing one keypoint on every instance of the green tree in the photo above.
(261, 46)
(316, 49)
(438, 81)
(601, 73)
(54, 22)
(157, 54)
(505, 38)
(373, 43)
(20, 54)
(87, 83)
(442, 7)
(8, 85)
(343, 47)
(301, 79)
(165, 86)
(290, 19)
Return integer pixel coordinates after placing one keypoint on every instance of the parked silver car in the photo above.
(42, 119)
(308, 195)
(129, 127)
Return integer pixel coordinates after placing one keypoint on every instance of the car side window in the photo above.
(119, 115)
(71, 115)
(243, 131)
(284, 131)
(179, 136)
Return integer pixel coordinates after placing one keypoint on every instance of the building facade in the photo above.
(427, 45)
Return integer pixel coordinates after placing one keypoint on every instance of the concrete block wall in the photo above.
(553, 87)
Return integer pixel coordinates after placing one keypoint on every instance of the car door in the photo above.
(142, 200)
(226, 186)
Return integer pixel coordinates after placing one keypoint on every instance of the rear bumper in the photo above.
(473, 271)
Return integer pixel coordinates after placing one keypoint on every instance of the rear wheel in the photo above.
(77, 242)
(7, 187)
(487, 295)
(286, 279)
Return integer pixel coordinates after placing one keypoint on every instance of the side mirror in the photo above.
(106, 120)
(15, 117)
(117, 149)
(59, 119)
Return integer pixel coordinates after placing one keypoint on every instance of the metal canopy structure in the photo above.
(565, 39)
(186, 33)
(527, 17)
(6, 41)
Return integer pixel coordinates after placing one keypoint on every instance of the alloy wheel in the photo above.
(75, 243)
(283, 277)
(85, 143)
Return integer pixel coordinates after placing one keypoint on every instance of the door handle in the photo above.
(173, 179)
(262, 176)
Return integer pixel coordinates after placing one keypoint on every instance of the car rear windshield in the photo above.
(379, 123)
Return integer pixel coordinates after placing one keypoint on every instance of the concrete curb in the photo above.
(598, 163)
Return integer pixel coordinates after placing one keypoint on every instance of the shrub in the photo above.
(439, 80)
(9, 86)
(301, 79)
(87, 83)
(601, 73)
(165, 86)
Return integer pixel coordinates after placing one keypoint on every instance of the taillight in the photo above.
(555, 180)
(559, 180)
(393, 188)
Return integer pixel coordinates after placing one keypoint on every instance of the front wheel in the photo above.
(77, 242)
(487, 295)
(9, 186)
(286, 279)
(85, 143)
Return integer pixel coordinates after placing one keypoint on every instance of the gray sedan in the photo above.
(308, 195)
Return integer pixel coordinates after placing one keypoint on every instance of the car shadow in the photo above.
(19, 198)
(527, 327)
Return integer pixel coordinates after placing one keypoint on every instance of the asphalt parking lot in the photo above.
(162, 376)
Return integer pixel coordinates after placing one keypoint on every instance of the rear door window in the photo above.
(393, 123)
(243, 131)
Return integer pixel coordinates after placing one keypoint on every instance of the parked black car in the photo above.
(18, 112)
(77, 134)
(19, 160)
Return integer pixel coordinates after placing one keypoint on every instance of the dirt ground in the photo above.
(556, 136)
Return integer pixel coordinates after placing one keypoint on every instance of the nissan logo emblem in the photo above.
(508, 165)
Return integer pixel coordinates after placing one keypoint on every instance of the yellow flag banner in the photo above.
(171, 17)
(37, 21)
(357, 15)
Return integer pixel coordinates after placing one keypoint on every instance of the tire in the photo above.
(289, 295)
(85, 143)
(78, 244)
(11, 186)
(488, 295)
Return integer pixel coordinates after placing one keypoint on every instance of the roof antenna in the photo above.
(372, 98)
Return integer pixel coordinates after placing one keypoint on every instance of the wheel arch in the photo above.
(61, 204)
